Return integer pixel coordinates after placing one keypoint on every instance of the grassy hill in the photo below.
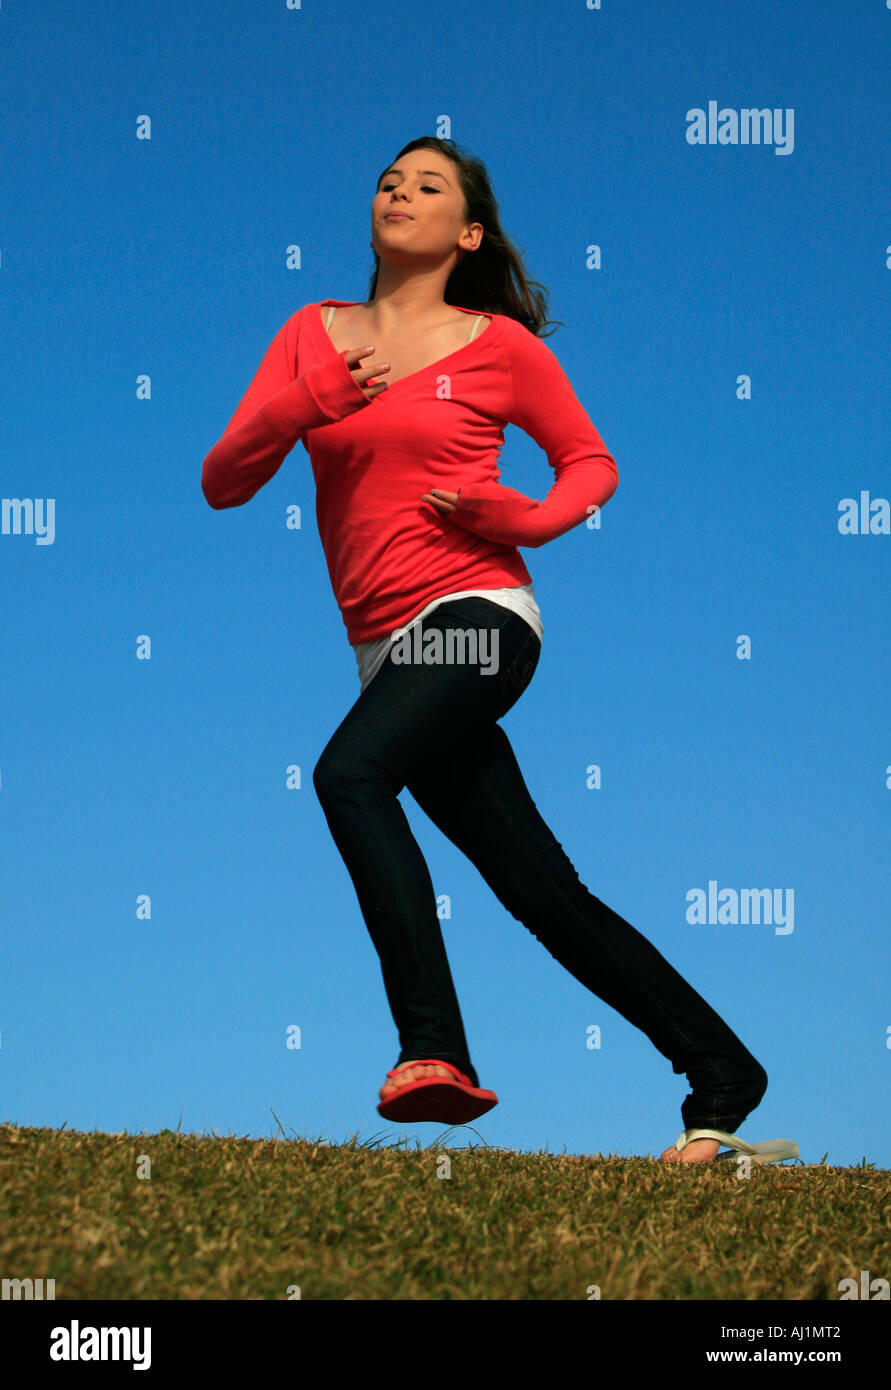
(235, 1218)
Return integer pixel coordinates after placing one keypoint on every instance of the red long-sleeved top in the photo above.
(388, 552)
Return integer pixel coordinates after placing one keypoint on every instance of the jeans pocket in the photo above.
(519, 673)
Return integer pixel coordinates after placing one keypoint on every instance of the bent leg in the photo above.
(409, 719)
(358, 787)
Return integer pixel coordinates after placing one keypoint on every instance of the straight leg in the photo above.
(483, 805)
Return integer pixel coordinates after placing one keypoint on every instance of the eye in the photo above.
(425, 188)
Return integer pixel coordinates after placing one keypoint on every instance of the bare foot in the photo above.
(410, 1071)
(697, 1151)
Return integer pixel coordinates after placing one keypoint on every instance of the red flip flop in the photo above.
(437, 1097)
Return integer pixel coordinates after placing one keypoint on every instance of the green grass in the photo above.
(235, 1218)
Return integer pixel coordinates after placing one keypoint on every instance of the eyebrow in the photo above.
(434, 172)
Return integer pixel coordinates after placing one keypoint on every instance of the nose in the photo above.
(395, 204)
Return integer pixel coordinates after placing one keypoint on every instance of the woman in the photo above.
(421, 543)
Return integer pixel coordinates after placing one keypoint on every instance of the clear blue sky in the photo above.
(122, 777)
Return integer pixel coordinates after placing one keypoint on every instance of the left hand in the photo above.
(444, 502)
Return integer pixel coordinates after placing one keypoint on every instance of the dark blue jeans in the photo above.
(434, 729)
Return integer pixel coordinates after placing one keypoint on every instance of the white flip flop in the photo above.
(767, 1151)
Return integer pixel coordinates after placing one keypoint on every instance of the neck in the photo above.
(407, 301)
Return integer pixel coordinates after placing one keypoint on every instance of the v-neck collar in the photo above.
(391, 385)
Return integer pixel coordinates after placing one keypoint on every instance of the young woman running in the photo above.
(420, 539)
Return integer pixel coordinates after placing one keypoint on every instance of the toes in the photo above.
(406, 1074)
(698, 1151)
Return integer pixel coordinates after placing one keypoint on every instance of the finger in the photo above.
(366, 373)
(353, 357)
(442, 508)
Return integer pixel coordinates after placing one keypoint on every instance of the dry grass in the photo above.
(230, 1218)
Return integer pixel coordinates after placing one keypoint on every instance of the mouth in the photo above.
(397, 217)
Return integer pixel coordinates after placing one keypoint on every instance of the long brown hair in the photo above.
(492, 278)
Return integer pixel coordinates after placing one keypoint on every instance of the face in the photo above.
(423, 186)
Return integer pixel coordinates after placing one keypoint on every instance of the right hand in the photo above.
(362, 374)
